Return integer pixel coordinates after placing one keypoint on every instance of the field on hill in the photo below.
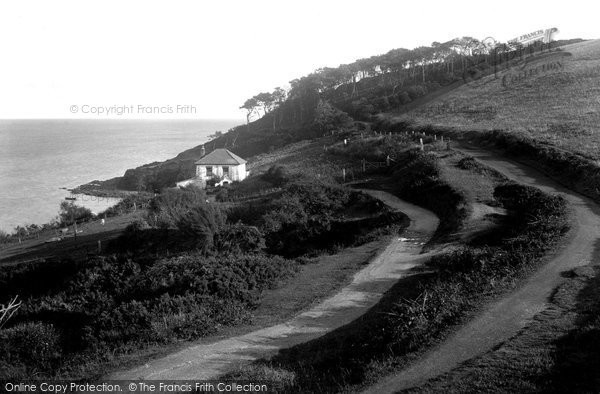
(552, 97)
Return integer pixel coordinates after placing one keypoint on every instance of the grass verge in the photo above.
(557, 353)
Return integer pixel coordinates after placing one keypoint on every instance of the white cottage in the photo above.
(222, 165)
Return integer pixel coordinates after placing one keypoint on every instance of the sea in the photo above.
(40, 159)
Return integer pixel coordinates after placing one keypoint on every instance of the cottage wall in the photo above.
(236, 173)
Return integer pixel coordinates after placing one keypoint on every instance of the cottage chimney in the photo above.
(202, 151)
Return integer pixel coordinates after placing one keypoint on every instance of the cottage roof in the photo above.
(221, 157)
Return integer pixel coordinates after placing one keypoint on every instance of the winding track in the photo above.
(503, 319)
(205, 361)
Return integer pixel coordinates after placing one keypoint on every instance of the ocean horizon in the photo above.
(40, 158)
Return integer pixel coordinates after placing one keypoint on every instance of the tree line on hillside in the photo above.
(390, 75)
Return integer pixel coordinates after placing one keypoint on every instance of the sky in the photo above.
(203, 59)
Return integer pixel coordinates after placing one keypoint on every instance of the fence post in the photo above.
(99, 246)
(442, 138)
(421, 142)
(387, 160)
(364, 164)
(435, 137)
(344, 174)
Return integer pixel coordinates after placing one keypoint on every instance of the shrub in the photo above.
(36, 278)
(470, 164)
(537, 217)
(277, 175)
(4, 237)
(71, 213)
(301, 219)
(172, 204)
(193, 315)
(202, 223)
(249, 213)
(35, 344)
(381, 103)
(329, 118)
(114, 303)
(237, 238)
(393, 100)
(222, 195)
(416, 91)
(518, 197)
(362, 108)
(404, 97)
(134, 234)
(417, 179)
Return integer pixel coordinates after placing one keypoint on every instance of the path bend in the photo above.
(507, 316)
(206, 361)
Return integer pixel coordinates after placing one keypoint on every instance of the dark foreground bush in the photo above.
(239, 238)
(201, 224)
(36, 278)
(301, 220)
(29, 346)
(172, 204)
(113, 304)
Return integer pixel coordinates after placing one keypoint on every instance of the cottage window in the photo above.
(209, 171)
(226, 170)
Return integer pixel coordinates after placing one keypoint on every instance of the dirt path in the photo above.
(503, 319)
(206, 361)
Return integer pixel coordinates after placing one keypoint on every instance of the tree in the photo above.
(279, 97)
(304, 94)
(329, 118)
(71, 213)
(250, 106)
(465, 47)
(266, 101)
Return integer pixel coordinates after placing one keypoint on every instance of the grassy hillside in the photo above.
(553, 97)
